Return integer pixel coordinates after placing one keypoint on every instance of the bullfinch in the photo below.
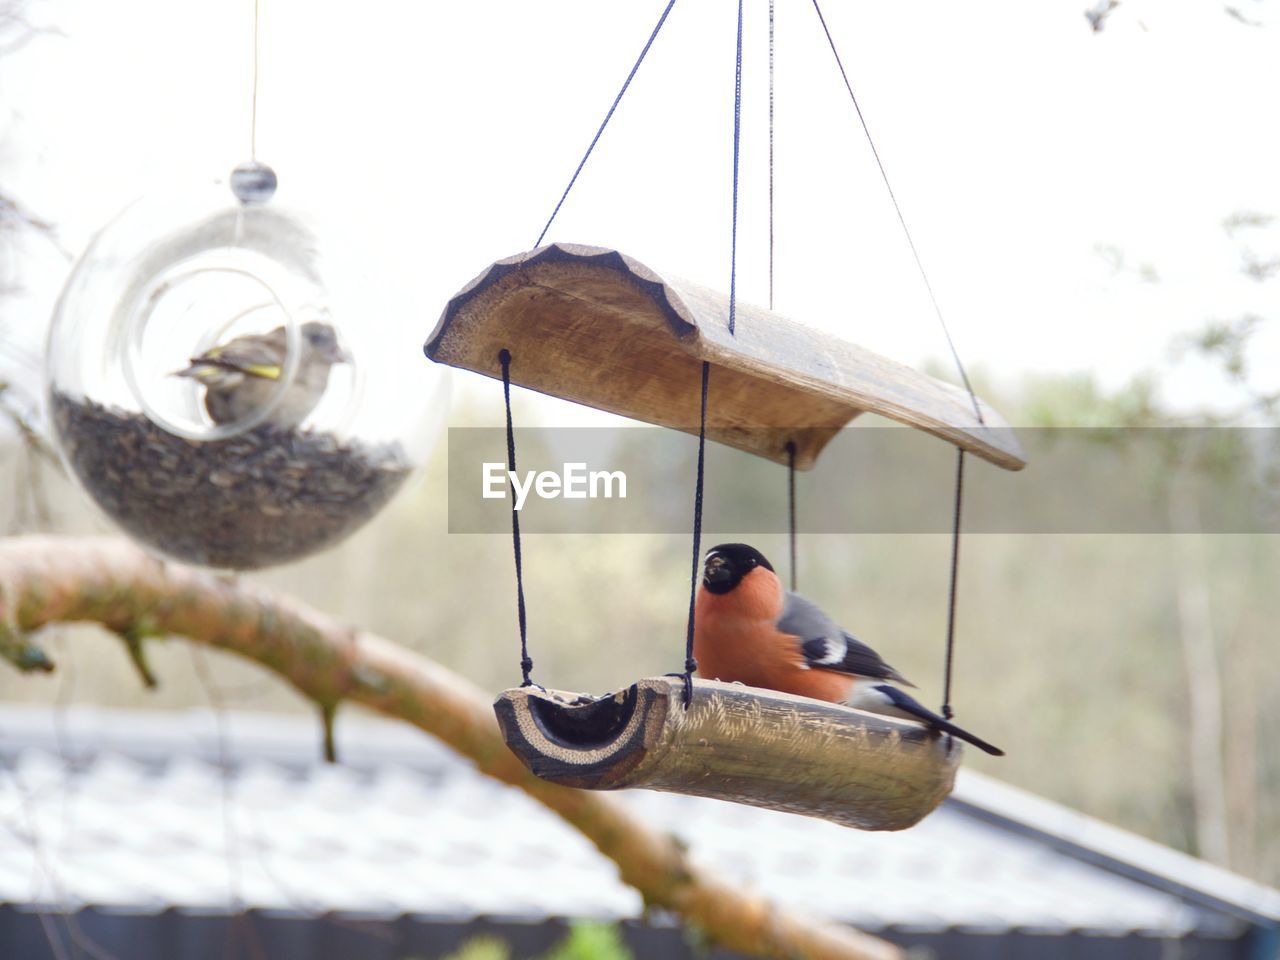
(748, 629)
(241, 375)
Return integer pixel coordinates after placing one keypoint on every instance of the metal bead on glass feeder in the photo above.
(223, 389)
(253, 182)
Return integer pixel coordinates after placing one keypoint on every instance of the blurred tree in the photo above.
(1224, 746)
(590, 941)
(1221, 750)
(18, 406)
(585, 941)
(480, 948)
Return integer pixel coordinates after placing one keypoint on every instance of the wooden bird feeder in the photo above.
(760, 747)
(593, 325)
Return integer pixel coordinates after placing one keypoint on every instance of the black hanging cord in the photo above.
(951, 596)
(955, 355)
(526, 665)
(771, 2)
(607, 117)
(737, 141)
(791, 507)
(791, 444)
(690, 664)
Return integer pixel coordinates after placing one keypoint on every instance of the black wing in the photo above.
(826, 646)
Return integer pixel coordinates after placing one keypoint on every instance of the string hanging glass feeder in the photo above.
(223, 381)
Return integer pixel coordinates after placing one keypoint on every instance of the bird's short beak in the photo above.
(336, 354)
(716, 571)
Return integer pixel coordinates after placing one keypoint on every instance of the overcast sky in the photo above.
(1018, 142)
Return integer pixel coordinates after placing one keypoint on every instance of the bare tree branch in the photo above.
(49, 579)
(15, 218)
(1236, 14)
(16, 31)
(1204, 677)
(13, 410)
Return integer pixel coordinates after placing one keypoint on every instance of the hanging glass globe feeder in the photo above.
(223, 388)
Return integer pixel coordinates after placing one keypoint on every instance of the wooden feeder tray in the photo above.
(595, 326)
(739, 743)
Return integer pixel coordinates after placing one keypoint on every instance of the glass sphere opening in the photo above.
(196, 311)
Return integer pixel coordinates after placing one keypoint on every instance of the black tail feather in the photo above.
(908, 704)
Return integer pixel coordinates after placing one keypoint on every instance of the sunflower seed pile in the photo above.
(263, 497)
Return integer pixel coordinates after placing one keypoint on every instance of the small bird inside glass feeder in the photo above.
(210, 378)
(243, 375)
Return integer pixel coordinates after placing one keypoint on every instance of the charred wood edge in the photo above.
(46, 580)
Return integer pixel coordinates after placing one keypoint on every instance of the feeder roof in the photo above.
(596, 326)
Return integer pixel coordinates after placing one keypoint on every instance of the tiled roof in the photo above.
(147, 811)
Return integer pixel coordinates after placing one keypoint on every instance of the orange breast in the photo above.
(735, 640)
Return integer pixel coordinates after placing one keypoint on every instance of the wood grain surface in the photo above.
(738, 743)
(595, 326)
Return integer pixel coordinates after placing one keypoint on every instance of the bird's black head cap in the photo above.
(728, 563)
